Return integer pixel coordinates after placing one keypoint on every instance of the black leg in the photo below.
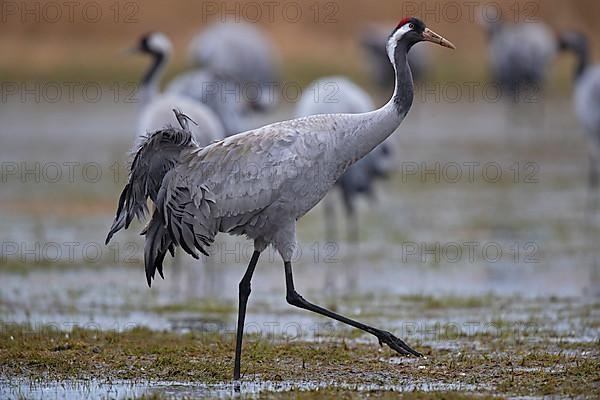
(351, 271)
(244, 293)
(593, 187)
(295, 299)
(352, 223)
(330, 238)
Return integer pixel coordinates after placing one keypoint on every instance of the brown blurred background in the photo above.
(321, 40)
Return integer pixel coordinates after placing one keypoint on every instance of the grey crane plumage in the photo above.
(259, 183)
(155, 156)
(520, 54)
(334, 95)
(586, 101)
(156, 108)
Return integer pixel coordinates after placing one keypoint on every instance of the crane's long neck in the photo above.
(373, 128)
(404, 91)
(149, 86)
(493, 28)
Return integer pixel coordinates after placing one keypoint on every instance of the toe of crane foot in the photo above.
(397, 345)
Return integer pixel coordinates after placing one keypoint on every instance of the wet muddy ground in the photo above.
(478, 251)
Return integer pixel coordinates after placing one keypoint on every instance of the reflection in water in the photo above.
(345, 252)
(192, 279)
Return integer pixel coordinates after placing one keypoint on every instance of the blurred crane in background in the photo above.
(520, 56)
(240, 51)
(587, 104)
(237, 69)
(156, 108)
(223, 96)
(194, 200)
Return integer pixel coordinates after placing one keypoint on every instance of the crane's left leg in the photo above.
(592, 203)
(244, 293)
(295, 299)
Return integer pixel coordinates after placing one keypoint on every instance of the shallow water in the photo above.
(122, 390)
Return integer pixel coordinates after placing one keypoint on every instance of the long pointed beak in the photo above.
(431, 36)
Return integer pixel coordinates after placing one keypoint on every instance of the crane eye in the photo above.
(411, 26)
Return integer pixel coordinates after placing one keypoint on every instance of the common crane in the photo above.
(520, 56)
(587, 102)
(259, 183)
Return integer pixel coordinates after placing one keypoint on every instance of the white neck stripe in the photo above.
(393, 40)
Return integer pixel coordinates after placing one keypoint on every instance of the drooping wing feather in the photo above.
(157, 154)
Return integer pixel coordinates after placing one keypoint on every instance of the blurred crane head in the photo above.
(577, 43)
(154, 43)
(572, 40)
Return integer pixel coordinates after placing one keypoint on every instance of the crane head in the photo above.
(572, 40)
(154, 43)
(411, 31)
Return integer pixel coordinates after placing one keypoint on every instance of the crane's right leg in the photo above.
(244, 293)
(295, 299)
